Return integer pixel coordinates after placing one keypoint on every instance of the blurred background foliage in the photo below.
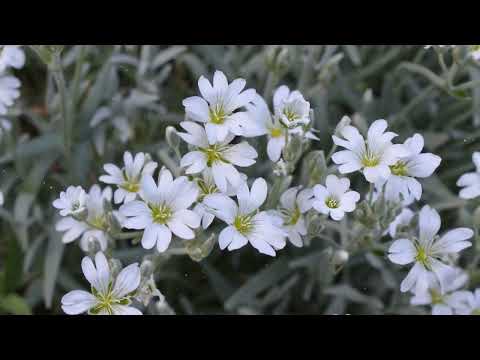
(123, 97)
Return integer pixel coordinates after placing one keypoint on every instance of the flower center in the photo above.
(243, 224)
(217, 115)
(437, 298)
(369, 159)
(99, 222)
(399, 169)
(422, 257)
(130, 187)
(161, 214)
(214, 154)
(276, 132)
(76, 205)
(290, 114)
(291, 217)
(205, 189)
(105, 302)
(332, 203)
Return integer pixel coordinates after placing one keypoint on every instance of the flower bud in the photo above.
(199, 249)
(173, 140)
(346, 121)
(93, 245)
(340, 257)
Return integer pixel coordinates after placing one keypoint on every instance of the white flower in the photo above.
(290, 107)
(403, 219)
(71, 202)
(108, 296)
(268, 125)
(245, 223)
(471, 181)
(206, 186)
(8, 92)
(428, 251)
(374, 156)
(163, 210)
(335, 199)
(468, 303)
(216, 108)
(293, 205)
(444, 301)
(406, 169)
(128, 178)
(11, 56)
(94, 226)
(219, 157)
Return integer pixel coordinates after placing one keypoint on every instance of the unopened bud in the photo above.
(346, 121)
(199, 249)
(173, 140)
(340, 257)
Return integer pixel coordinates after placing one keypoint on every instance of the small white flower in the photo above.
(108, 296)
(471, 181)
(11, 56)
(163, 210)
(403, 219)
(8, 92)
(221, 158)
(406, 169)
(206, 186)
(468, 303)
(268, 125)
(216, 108)
(374, 156)
(335, 199)
(71, 202)
(94, 226)
(443, 301)
(128, 178)
(245, 223)
(293, 205)
(428, 252)
(290, 107)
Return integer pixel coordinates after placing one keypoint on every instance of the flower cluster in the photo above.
(173, 207)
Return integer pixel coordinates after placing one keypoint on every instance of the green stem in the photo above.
(59, 78)
(76, 78)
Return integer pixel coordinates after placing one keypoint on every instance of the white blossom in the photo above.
(206, 186)
(95, 225)
(108, 296)
(72, 201)
(468, 303)
(373, 157)
(11, 56)
(471, 181)
(294, 203)
(443, 301)
(290, 107)
(129, 177)
(221, 158)
(404, 171)
(9, 92)
(163, 210)
(428, 252)
(268, 125)
(217, 108)
(245, 223)
(335, 199)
